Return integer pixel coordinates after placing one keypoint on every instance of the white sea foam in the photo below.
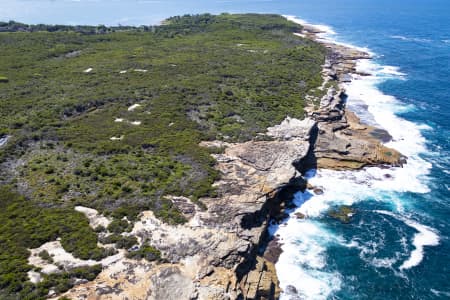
(383, 262)
(303, 260)
(407, 137)
(321, 27)
(305, 242)
(426, 236)
(327, 34)
(410, 39)
(391, 70)
(369, 249)
(440, 293)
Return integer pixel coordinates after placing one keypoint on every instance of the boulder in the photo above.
(299, 215)
(290, 290)
(318, 191)
(262, 281)
(291, 128)
(343, 214)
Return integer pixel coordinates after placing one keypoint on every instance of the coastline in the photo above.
(354, 144)
(362, 145)
(285, 233)
(300, 238)
(218, 252)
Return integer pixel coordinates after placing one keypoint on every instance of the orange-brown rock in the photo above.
(213, 255)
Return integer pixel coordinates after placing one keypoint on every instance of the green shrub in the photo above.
(126, 242)
(121, 242)
(119, 226)
(24, 225)
(45, 256)
(99, 228)
(89, 273)
(145, 252)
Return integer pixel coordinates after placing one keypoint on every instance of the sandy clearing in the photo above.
(134, 106)
(95, 219)
(59, 256)
(115, 138)
(63, 258)
(34, 277)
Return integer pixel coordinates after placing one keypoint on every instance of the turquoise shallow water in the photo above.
(397, 246)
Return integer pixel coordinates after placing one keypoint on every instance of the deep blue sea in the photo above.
(397, 245)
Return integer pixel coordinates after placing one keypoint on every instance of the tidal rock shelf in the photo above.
(342, 142)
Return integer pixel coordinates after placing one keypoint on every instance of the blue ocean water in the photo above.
(397, 245)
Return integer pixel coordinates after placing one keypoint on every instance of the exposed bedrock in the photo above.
(216, 254)
(342, 141)
(224, 252)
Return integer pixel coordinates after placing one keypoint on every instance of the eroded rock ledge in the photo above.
(217, 254)
(342, 141)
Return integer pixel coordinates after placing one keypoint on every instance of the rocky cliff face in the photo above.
(342, 141)
(217, 253)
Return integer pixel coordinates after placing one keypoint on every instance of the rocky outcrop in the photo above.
(261, 282)
(291, 129)
(346, 144)
(215, 255)
(344, 213)
(342, 141)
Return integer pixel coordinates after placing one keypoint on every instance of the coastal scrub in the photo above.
(112, 118)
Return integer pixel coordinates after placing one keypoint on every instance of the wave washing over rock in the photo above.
(302, 266)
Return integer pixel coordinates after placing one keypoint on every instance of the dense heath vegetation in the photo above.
(63, 91)
(26, 225)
